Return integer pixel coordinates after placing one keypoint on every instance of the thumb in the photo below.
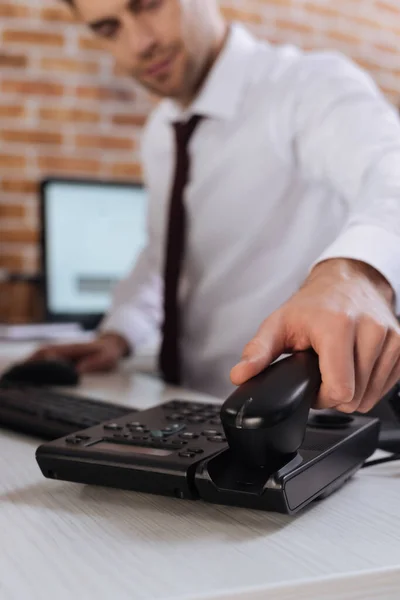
(266, 346)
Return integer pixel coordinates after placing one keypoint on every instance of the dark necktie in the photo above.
(169, 360)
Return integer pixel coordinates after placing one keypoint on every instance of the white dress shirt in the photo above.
(298, 160)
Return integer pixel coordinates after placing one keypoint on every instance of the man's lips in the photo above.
(161, 67)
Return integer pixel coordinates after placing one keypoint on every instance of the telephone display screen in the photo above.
(123, 448)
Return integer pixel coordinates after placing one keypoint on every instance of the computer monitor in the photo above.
(92, 233)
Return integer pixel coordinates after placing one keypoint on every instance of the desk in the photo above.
(65, 540)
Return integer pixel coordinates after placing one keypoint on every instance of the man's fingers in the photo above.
(385, 374)
(335, 350)
(95, 363)
(63, 351)
(393, 379)
(47, 353)
(369, 342)
(266, 346)
(75, 351)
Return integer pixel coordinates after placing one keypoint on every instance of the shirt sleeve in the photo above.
(348, 136)
(135, 312)
(136, 309)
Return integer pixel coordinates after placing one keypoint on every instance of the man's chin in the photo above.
(162, 91)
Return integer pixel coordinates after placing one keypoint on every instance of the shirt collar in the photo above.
(222, 91)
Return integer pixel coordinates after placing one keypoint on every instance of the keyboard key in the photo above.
(51, 414)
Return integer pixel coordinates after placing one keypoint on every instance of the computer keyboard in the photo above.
(48, 414)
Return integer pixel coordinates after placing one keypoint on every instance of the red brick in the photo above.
(24, 304)
(20, 235)
(12, 161)
(104, 93)
(386, 47)
(284, 24)
(90, 43)
(344, 36)
(13, 262)
(30, 136)
(34, 88)
(385, 6)
(64, 164)
(129, 119)
(10, 111)
(282, 3)
(12, 211)
(70, 65)
(14, 61)
(26, 36)
(19, 186)
(366, 22)
(66, 115)
(235, 14)
(322, 9)
(392, 93)
(57, 14)
(127, 171)
(9, 9)
(103, 142)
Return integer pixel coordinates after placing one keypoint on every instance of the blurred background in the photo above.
(66, 111)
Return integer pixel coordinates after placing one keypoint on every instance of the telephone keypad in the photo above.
(175, 417)
(176, 425)
(189, 435)
(217, 438)
(196, 419)
(187, 454)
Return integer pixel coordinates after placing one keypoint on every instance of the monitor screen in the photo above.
(93, 233)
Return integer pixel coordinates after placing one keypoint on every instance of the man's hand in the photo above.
(344, 311)
(102, 354)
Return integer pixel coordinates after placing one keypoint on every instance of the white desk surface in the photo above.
(65, 540)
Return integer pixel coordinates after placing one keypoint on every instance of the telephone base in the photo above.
(325, 461)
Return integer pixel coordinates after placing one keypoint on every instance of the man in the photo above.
(274, 217)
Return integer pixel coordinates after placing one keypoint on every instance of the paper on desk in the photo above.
(40, 331)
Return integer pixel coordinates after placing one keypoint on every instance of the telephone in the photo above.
(262, 448)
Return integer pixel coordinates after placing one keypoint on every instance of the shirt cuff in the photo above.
(130, 324)
(373, 245)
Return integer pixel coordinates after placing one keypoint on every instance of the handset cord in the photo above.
(379, 461)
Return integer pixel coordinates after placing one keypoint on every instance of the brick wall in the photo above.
(65, 109)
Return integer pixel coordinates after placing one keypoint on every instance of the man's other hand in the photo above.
(344, 311)
(103, 354)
